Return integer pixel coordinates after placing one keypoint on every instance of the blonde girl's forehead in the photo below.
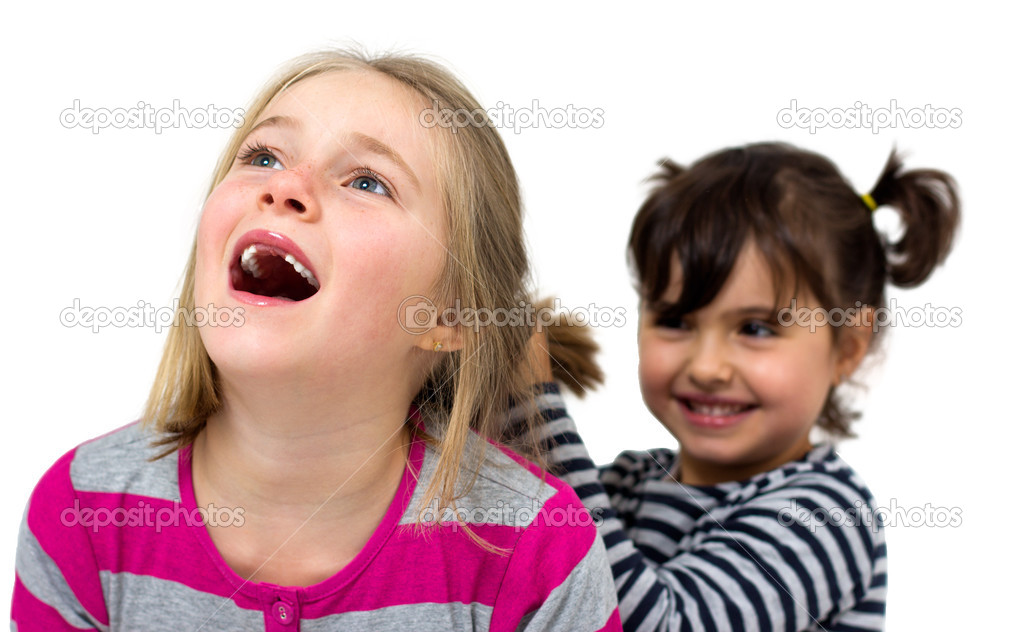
(409, 102)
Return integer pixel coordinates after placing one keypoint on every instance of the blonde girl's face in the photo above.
(330, 218)
(739, 391)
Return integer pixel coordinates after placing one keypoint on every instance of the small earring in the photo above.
(437, 346)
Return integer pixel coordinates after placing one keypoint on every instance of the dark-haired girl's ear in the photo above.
(852, 343)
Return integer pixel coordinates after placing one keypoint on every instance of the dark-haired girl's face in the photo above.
(739, 391)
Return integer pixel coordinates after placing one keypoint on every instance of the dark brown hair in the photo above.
(814, 230)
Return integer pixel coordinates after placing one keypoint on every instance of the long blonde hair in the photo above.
(465, 390)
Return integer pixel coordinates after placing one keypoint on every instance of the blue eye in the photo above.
(368, 180)
(756, 329)
(258, 155)
(265, 160)
(369, 183)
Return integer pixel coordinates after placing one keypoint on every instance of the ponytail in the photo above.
(928, 204)
(574, 356)
(573, 352)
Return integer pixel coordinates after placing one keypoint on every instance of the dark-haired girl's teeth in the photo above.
(717, 410)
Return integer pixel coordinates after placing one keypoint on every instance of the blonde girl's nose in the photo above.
(289, 191)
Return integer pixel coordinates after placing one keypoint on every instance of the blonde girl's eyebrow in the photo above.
(382, 149)
(356, 139)
(273, 121)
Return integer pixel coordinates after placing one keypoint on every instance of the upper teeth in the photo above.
(301, 269)
(717, 410)
(250, 265)
(249, 262)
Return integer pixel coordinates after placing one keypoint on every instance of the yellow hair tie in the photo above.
(869, 201)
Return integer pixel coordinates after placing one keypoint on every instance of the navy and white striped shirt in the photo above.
(796, 548)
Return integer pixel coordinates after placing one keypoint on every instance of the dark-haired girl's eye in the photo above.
(668, 321)
(757, 329)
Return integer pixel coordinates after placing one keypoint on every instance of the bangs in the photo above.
(701, 219)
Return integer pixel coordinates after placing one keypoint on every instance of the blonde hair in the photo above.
(465, 390)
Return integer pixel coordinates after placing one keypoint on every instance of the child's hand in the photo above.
(537, 366)
(562, 351)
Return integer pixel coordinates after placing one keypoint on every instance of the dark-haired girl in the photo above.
(745, 262)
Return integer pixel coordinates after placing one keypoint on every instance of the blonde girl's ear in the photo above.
(441, 338)
(852, 343)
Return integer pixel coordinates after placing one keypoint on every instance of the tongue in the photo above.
(278, 278)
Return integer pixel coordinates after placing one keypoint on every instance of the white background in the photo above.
(108, 218)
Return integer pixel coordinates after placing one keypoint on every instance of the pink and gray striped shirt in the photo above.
(114, 541)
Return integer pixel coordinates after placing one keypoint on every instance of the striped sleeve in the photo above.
(57, 586)
(760, 567)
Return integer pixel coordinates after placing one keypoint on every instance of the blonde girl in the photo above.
(324, 465)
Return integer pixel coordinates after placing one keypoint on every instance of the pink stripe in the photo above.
(31, 614)
(251, 595)
(441, 566)
(558, 539)
(614, 623)
(69, 548)
(155, 537)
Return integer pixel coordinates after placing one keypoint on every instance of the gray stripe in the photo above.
(158, 605)
(119, 464)
(423, 616)
(44, 579)
(865, 620)
(584, 601)
(544, 401)
(504, 492)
